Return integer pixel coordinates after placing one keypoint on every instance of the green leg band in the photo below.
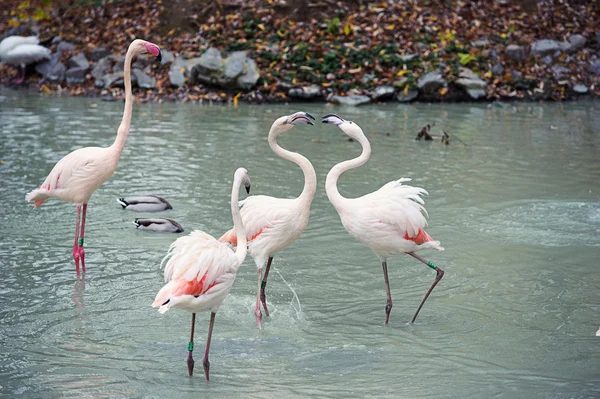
(430, 264)
(263, 284)
(81, 242)
(190, 346)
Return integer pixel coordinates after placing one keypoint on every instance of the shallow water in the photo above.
(518, 211)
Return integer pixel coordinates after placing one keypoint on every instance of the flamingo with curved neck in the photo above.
(272, 224)
(201, 270)
(390, 220)
(76, 176)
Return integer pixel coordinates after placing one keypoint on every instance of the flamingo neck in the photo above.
(332, 177)
(310, 177)
(123, 131)
(238, 225)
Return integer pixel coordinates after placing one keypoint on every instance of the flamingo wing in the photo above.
(9, 43)
(27, 54)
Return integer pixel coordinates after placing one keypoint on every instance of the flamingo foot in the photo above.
(206, 365)
(190, 364)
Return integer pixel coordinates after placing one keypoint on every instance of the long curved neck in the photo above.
(332, 177)
(310, 177)
(123, 131)
(238, 225)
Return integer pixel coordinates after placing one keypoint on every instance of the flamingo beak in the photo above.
(333, 119)
(301, 118)
(247, 185)
(154, 50)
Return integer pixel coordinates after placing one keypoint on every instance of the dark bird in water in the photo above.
(445, 138)
(159, 224)
(424, 134)
(145, 203)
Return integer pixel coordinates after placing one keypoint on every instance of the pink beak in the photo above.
(153, 49)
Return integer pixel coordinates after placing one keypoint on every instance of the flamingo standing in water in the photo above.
(390, 220)
(75, 177)
(272, 224)
(201, 270)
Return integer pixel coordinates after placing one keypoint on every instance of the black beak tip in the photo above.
(247, 189)
(159, 56)
(310, 116)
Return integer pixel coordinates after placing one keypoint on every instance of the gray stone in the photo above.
(475, 93)
(564, 46)
(99, 83)
(408, 58)
(75, 75)
(490, 53)
(306, 93)
(548, 60)
(580, 89)
(561, 72)
(250, 76)
(119, 64)
(400, 83)
(384, 93)
(166, 57)
(545, 47)
(141, 62)
(597, 37)
(98, 53)
(480, 43)
(595, 66)
(516, 53)
(431, 82)
(515, 75)
(211, 60)
(53, 70)
(143, 80)
(471, 83)
(101, 68)
(367, 78)
(65, 47)
(234, 65)
(113, 80)
(79, 61)
(355, 100)
(466, 73)
(177, 72)
(577, 41)
(408, 97)
(498, 69)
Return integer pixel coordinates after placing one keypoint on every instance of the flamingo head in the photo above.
(348, 127)
(241, 175)
(144, 47)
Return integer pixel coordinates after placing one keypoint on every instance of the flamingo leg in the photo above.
(80, 242)
(388, 306)
(75, 249)
(205, 361)
(263, 296)
(257, 312)
(438, 277)
(21, 78)
(190, 359)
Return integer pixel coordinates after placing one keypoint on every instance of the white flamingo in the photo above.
(21, 51)
(390, 220)
(201, 270)
(272, 224)
(76, 176)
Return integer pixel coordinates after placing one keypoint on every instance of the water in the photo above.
(518, 211)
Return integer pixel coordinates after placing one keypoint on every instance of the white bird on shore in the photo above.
(21, 51)
(76, 176)
(390, 220)
(200, 271)
(273, 224)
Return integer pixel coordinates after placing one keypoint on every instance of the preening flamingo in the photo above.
(390, 220)
(21, 51)
(75, 177)
(272, 224)
(200, 271)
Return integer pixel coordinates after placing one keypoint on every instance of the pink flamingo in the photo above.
(390, 220)
(272, 224)
(75, 177)
(201, 270)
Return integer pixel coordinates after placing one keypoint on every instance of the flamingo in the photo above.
(201, 270)
(21, 51)
(272, 224)
(76, 176)
(390, 220)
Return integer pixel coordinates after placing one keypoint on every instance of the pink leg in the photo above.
(75, 249)
(257, 312)
(21, 78)
(81, 235)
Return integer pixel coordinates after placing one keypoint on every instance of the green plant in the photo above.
(333, 26)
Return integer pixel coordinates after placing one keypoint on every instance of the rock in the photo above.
(382, 93)
(177, 72)
(408, 97)
(490, 53)
(79, 61)
(597, 37)
(330, 76)
(561, 72)
(475, 93)
(399, 84)
(548, 60)
(431, 82)
(113, 80)
(53, 70)
(166, 57)
(564, 46)
(235, 64)
(143, 80)
(119, 64)
(471, 83)
(367, 78)
(545, 47)
(101, 68)
(408, 58)
(595, 66)
(65, 47)
(577, 42)
(515, 75)
(236, 71)
(98, 53)
(75, 75)
(480, 43)
(466, 73)
(210, 61)
(355, 100)
(498, 70)
(516, 53)
(306, 93)
(250, 76)
(580, 89)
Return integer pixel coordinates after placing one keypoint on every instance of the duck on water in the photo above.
(145, 203)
